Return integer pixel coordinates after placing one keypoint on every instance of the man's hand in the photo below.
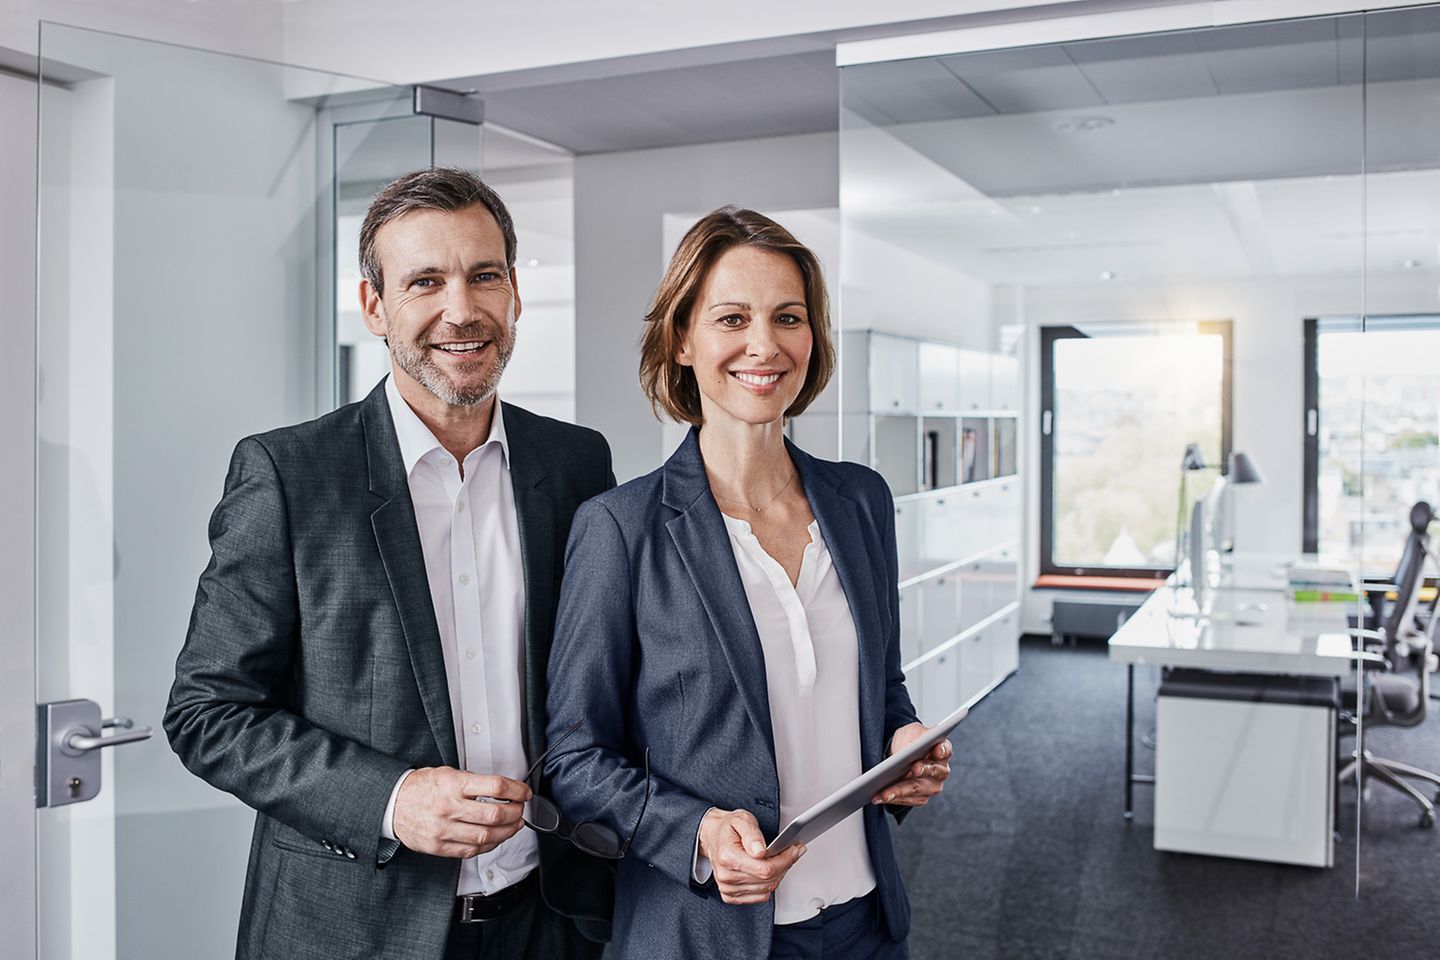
(926, 776)
(436, 811)
(736, 848)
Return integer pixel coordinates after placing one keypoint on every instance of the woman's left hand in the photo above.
(926, 776)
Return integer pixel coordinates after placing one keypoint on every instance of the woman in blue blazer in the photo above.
(727, 650)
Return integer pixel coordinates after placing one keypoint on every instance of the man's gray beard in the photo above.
(416, 362)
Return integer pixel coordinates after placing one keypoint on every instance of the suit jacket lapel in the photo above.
(703, 542)
(535, 516)
(849, 538)
(398, 539)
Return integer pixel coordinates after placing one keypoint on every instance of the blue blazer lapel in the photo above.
(703, 542)
(853, 543)
(398, 538)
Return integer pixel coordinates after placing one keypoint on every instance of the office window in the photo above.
(1119, 404)
(1372, 433)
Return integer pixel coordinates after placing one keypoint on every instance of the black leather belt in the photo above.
(479, 908)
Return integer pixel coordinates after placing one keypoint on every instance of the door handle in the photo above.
(67, 749)
(80, 740)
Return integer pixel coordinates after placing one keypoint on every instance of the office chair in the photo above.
(1394, 699)
(1377, 592)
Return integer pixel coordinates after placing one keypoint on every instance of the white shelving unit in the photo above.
(940, 423)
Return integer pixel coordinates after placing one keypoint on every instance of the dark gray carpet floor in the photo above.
(1026, 854)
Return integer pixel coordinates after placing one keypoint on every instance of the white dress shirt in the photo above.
(812, 673)
(471, 541)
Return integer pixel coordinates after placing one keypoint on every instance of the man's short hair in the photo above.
(442, 188)
(669, 385)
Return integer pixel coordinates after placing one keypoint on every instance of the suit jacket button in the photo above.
(350, 853)
(327, 845)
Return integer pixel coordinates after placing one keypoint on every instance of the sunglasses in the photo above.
(593, 838)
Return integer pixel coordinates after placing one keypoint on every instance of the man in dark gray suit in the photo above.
(366, 659)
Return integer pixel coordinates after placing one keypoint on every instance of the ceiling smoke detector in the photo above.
(1082, 124)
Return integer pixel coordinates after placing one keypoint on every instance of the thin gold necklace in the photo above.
(768, 503)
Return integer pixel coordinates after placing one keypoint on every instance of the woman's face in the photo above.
(749, 337)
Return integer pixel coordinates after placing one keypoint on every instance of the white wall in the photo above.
(621, 200)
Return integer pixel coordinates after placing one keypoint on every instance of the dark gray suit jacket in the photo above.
(655, 647)
(312, 676)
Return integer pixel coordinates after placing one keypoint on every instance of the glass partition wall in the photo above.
(188, 204)
(1095, 298)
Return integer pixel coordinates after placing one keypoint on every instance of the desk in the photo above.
(1248, 627)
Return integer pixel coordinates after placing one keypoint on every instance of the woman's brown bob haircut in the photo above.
(671, 386)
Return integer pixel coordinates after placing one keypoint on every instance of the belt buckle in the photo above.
(468, 903)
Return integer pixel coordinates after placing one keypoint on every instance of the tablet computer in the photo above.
(857, 793)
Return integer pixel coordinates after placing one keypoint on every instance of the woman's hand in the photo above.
(926, 776)
(732, 840)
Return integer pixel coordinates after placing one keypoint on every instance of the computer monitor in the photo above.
(1206, 536)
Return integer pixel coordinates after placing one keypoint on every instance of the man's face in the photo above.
(449, 307)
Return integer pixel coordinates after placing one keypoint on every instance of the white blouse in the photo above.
(812, 673)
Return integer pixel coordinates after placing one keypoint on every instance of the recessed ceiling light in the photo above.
(532, 262)
(1082, 124)
(1107, 275)
(1411, 264)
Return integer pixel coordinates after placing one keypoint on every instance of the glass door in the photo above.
(187, 296)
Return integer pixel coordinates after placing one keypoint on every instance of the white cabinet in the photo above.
(1005, 648)
(909, 546)
(941, 529)
(941, 424)
(1004, 383)
(894, 384)
(938, 688)
(910, 633)
(897, 454)
(940, 604)
(975, 671)
(939, 377)
(974, 375)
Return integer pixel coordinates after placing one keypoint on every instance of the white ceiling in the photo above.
(1239, 153)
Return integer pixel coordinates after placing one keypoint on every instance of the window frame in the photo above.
(1310, 426)
(1048, 425)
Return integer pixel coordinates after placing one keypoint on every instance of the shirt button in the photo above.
(460, 505)
(470, 653)
(464, 578)
(474, 728)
